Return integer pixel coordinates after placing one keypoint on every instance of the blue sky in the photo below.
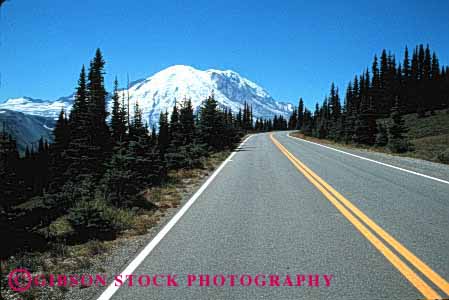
(291, 48)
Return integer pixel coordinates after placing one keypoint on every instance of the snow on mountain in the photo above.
(38, 107)
(159, 92)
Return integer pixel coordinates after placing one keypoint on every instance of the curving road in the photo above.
(295, 213)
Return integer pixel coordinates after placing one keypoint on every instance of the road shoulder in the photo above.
(413, 164)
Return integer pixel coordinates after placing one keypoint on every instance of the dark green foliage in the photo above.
(94, 219)
(443, 156)
(90, 143)
(335, 115)
(9, 180)
(307, 126)
(293, 120)
(350, 112)
(163, 137)
(99, 135)
(382, 135)
(78, 115)
(398, 142)
(191, 148)
(147, 164)
(211, 124)
(118, 117)
(279, 123)
(247, 117)
(78, 154)
(175, 157)
(61, 134)
(300, 121)
(134, 166)
(365, 129)
(187, 122)
(120, 188)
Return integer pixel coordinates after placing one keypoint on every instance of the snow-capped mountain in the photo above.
(159, 92)
(38, 107)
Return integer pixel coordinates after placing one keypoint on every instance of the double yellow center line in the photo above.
(368, 228)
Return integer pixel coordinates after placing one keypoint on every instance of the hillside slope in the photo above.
(429, 135)
(26, 129)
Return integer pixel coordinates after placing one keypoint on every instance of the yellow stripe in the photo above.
(408, 273)
(415, 261)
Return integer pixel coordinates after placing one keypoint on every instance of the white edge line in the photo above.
(372, 160)
(112, 288)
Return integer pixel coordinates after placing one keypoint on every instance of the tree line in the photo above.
(387, 91)
(99, 164)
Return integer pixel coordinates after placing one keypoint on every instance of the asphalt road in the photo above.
(262, 215)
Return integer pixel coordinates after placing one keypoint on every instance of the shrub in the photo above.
(60, 229)
(97, 220)
(382, 136)
(444, 156)
(400, 146)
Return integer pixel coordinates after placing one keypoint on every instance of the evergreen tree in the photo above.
(118, 116)
(211, 124)
(239, 119)
(406, 65)
(120, 188)
(187, 122)
(375, 92)
(365, 126)
(350, 112)
(293, 120)
(192, 149)
(163, 137)
(307, 126)
(300, 114)
(134, 166)
(100, 140)
(78, 114)
(58, 161)
(154, 136)
(335, 128)
(61, 133)
(435, 91)
(78, 157)
(10, 184)
(398, 142)
(355, 103)
(147, 164)
(418, 85)
(175, 158)
(382, 135)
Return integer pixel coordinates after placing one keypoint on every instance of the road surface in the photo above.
(284, 207)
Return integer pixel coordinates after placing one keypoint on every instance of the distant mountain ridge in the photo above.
(26, 129)
(38, 107)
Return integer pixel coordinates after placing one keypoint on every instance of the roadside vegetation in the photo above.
(429, 137)
(395, 107)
